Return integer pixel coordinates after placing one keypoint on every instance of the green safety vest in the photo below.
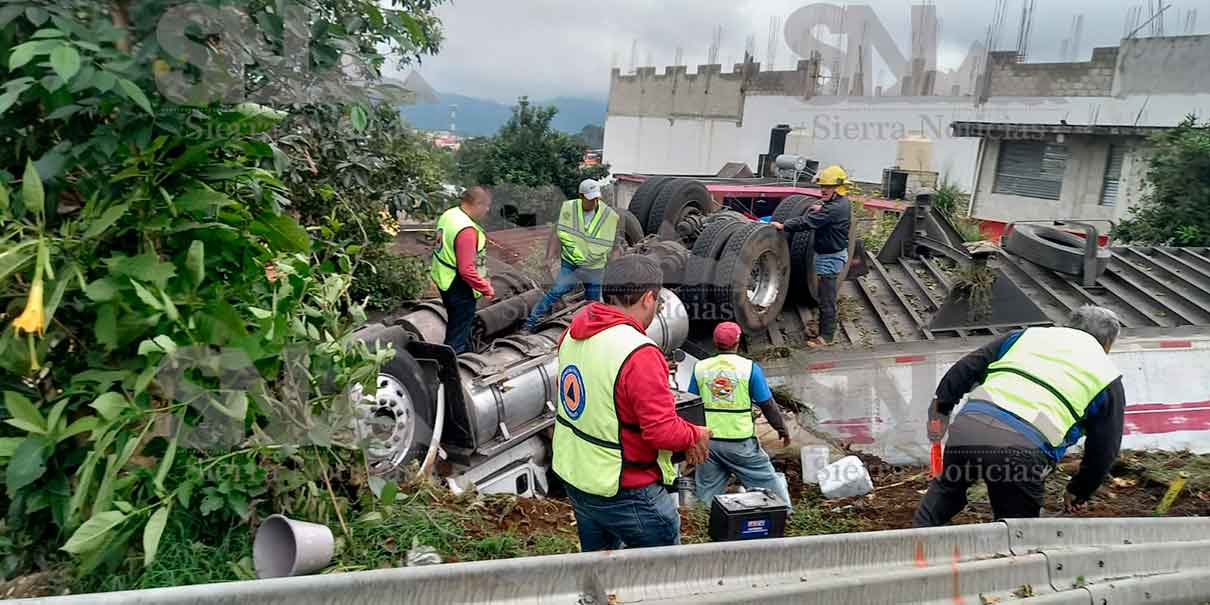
(445, 260)
(587, 246)
(723, 383)
(1048, 378)
(588, 434)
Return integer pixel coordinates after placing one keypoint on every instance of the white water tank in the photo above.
(915, 152)
(801, 141)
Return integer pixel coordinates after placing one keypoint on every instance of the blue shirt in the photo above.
(758, 387)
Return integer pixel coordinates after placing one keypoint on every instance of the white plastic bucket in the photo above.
(845, 478)
(814, 458)
(284, 547)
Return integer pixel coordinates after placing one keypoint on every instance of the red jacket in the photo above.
(642, 397)
(466, 250)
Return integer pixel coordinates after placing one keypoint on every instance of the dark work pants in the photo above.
(637, 518)
(460, 306)
(828, 286)
(1015, 478)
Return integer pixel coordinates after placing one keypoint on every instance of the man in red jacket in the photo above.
(617, 424)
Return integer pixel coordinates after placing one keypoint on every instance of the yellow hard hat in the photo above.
(834, 176)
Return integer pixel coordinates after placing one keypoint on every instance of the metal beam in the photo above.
(907, 305)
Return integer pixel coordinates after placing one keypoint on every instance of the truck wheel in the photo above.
(1051, 248)
(644, 197)
(699, 271)
(631, 227)
(751, 281)
(675, 199)
(804, 284)
(793, 206)
(398, 419)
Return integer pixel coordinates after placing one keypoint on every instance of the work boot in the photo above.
(818, 343)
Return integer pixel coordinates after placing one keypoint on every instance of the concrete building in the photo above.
(1089, 120)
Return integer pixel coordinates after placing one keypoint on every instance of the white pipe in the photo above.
(435, 443)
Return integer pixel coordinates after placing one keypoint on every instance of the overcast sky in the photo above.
(501, 49)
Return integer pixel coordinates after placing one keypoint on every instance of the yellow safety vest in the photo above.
(723, 383)
(587, 246)
(444, 268)
(588, 435)
(1048, 378)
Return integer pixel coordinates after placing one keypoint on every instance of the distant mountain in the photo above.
(484, 117)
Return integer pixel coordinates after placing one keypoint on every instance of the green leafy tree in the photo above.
(355, 181)
(134, 232)
(1176, 208)
(528, 151)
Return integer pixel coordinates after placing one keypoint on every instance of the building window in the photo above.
(1031, 169)
(1113, 176)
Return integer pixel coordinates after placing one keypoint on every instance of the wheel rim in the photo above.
(388, 423)
(765, 281)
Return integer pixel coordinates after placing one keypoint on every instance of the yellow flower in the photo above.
(33, 319)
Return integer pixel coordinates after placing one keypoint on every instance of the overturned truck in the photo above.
(484, 420)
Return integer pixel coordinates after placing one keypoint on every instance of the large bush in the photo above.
(1175, 210)
(172, 336)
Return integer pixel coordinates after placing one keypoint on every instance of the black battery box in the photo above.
(747, 516)
(692, 410)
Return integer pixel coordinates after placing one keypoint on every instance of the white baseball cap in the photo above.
(590, 189)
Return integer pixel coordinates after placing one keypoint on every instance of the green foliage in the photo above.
(954, 203)
(145, 250)
(1174, 209)
(386, 278)
(528, 151)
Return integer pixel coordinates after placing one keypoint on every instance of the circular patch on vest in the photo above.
(572, 392)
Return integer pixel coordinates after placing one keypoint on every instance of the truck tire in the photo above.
(804, 284)
(1051, 248)
(644, 197)
(752, 277)
(793, 206)
(699, 271)
(403, 401)
(674, 199)
(631, 227)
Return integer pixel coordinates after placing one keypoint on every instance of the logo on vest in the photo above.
(572, 392)
(723, 387)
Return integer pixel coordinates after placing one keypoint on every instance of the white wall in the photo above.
(860, 133)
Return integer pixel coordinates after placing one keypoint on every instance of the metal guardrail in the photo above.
(1045, 561)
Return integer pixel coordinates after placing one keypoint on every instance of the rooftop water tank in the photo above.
(915, 152)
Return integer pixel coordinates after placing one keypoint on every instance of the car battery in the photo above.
(690, 408)
(747, 516)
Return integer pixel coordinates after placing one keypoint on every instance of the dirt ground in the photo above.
(1134, 489)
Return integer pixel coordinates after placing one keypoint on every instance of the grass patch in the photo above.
(812, 517)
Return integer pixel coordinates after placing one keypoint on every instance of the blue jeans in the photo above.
(638, 518)
(569, 277)
(746, 460)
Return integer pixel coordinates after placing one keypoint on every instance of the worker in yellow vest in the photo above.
(459, 267)
(616, 426)
(1041, 390)
(584, 239)
(729, 386)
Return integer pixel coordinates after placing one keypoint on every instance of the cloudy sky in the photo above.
(501, 49)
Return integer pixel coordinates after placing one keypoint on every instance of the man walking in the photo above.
(459, 267)
(583, 240)
(729, 386)
(616, 425)
(830, 222)
(1042, 389)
